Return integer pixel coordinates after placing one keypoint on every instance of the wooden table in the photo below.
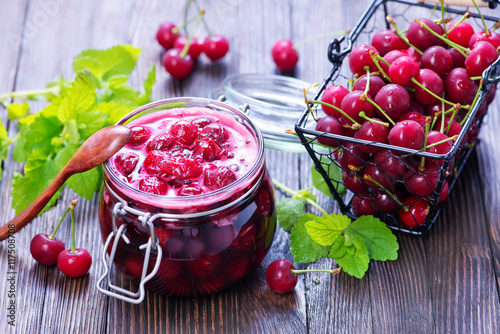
(446, 282)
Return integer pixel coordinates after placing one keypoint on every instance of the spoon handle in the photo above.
(28, 214)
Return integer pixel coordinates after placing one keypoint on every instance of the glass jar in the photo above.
(188, 244)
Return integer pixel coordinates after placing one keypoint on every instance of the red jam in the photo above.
(202, 171)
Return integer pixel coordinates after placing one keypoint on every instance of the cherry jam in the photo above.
(197, 167)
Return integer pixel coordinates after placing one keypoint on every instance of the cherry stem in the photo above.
(366, 98)
(442, 141)
(369, 178)
(186, 12)
(376, 57)
(297, 194)
(72, 207)
(455, 111)
(443, 19)
(475, 78)
(308, 103)
(401, 35)
(486, 32)
(473, 102)
(454, 45)
(442, 116)
(354, 123)
(367, 87)
(59, 224)
(350, 83)
(415, 81)
(186, 24)
(318, 37)
(427, 126)
(189, 39)
(302, 271)
(362, 114)
(463, 18)
(207, 29)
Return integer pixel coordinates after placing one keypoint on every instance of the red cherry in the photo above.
(461, 34)
(45, 250)
(362, 205)
(140, 134)
(178, 67)
(74, 264)
(153, 185)
(329, 124)
(185, 132)
(415, 213)
(459, 86)
(407, 134)
(279, 276)
(438, 59)
(333, 95)
(284, 55)
(421, 38)
(402, 70)
(376, 83)
(360, 57)
(125, 162)
(386, 40)
(218, 177)
(167, 34)
(493, 38)
(161, 143)
(195, 48)
(482, 55)
(215, 47)
(430, 80)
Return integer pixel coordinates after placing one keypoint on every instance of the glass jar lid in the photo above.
(275, 104)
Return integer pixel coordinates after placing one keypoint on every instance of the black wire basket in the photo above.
(447, 166)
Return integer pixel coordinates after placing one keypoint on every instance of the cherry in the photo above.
(354, 183)
(350, 157)
(353, 104)
(408, 134)
(454, 129)
(394, 100)
(190, 190)
(482, 55)
(280, 276)
(459, 87)
(153, 185)
(216, 132)
(373, 132)
(333, 95)
(386, 40)
(45, 249)
(152, 162)
(329, 124)
(140, 134)
(458, 58)
(443, 148)
(384, 202)
(432, 82)
(206, 149)
(362, 205)
(177, 66)
(420, 37)
(183, 168)
(376, 178)
(413, 53)
(414, 213)
(126, 162)
(202, 122)
(161, 142)
(389, 163)
(422, 184)
(360, 57)
(218, 177)
(402, 70)
(74, 263)
(167, 34)
(284, 55)
(493, 38)
(184, 132)
(215, 47)
(376, 83)
(414, 116)
(195, 48)
(461, 34)
(438, 59)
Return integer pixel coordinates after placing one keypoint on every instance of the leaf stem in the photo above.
(296, 193)
(25, 94)
(72, 207)
(302, 271)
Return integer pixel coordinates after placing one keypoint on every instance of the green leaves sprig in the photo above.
(351, 244)
(98, 97)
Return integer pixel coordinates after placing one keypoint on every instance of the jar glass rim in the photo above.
(191, 102)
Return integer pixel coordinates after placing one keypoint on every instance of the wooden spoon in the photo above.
(94, 151)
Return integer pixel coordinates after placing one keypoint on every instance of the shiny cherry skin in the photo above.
(394, 100)
(421, 38)
(438, 59)
(430, 80)
(376, 83)
(331, 125)
(279, 276)
(460, 34)
(360, 57)
(167, 34)
(215, 47)
(402, 70)
(178, 67)
(415, 212)
(45, 250)
(482, 55)
(373, 132)
(493, 38)
(284, 55)
(74, 264)
(386, 40)
(408, 134)
(333, 95)
(459, 87)
(195, 48)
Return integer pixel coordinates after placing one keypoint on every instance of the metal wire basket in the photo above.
(448, 165)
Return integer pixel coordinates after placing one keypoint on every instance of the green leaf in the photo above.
(351, 254)
(40, 134)
(289, 211)
(148, 85)
(114, 111)
(303, 248)
(5, 142)
(17, 110)
(39, 171)
(382, 244)
(333, 171)
(118, 81)
(326, 229)
(90, 121)
(79, 98)
(105, 64)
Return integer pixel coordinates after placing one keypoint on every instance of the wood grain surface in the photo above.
(448, 282)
